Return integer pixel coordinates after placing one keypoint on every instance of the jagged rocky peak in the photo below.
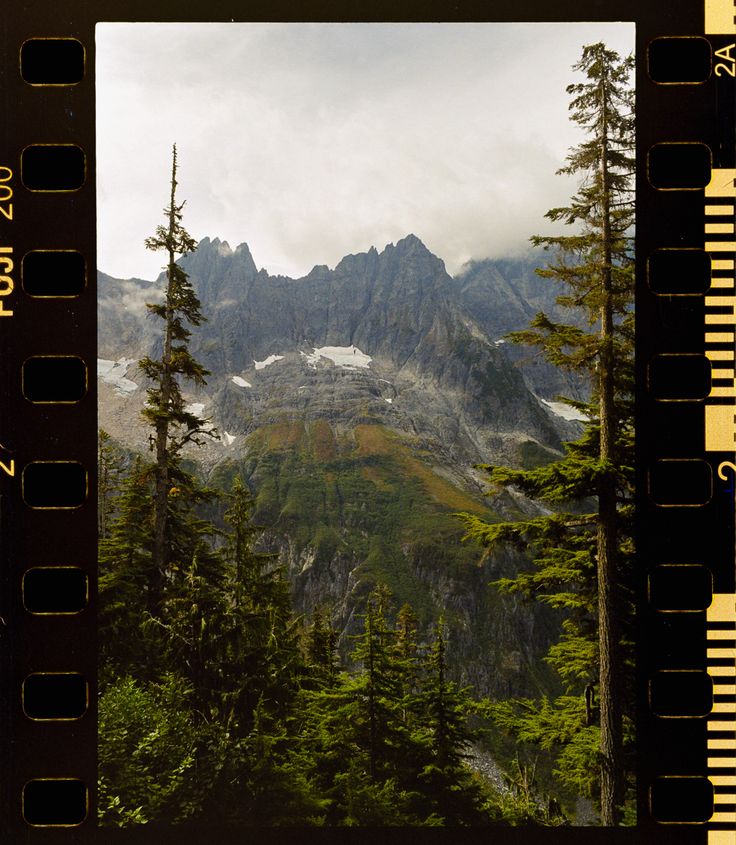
(411, 252)
(243, 253)
(319, 271)
(223, 247)
(217, 271)
(410, 243)
(212, 249)
(408, 260)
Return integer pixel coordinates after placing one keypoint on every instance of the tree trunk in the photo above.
(612, 791)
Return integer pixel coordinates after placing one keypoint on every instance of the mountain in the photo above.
(356, 401)
(504, 296)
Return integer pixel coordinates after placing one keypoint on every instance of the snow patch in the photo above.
(228, 438)
(499, 342)
(565, 411)
(348, 357)
(113, 372)
(241, 382)
(267, 361)
(390, 401)
(195, 408)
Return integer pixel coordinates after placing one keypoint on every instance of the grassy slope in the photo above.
(368, 491)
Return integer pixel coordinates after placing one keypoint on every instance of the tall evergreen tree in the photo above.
(454, 796)
(406, 662)
(320, 646)
(124, 580)
(261, 637)
(173, 426)
(583, 552)
(109, 475)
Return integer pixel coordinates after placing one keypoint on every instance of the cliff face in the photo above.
(505, 296)
(356, 401)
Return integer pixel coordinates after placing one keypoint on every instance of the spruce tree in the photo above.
(109, 475)
(320, 647)
(124, 580)
(376, 686)
(453, 795)
(362, 750)
(583, 550)
(406, 663)
(173, 426)
(260, 637)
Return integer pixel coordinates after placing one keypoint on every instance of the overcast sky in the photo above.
(312, 141)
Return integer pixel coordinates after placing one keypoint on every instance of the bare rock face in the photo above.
(356, 402)
(505, 296)
(433, 370)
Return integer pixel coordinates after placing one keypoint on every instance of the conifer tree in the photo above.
(406, 663)
(173, 426)
(453, 795)
(583, 550)
(377, 687)
(124, 579)
(109, 474)
(320, 653)
(261, 637)
(361, 749)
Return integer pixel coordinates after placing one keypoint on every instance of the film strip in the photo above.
(686, 419)
(48, 458)
(686, 428)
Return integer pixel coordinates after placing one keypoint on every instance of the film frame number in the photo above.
(6, 192)
(728, 65)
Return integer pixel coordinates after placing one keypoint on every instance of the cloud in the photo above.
(311, 141)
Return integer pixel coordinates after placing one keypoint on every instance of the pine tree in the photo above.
(583, 550)
(377, 685)
(124, 580)
(109, 474)
(453, 795)
(320, 648)
(262, 655)
(173, 426)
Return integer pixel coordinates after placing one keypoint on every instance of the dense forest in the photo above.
(217, 703)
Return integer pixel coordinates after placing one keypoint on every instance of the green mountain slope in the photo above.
(348, 508)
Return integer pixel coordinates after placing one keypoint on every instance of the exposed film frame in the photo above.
(270, 622)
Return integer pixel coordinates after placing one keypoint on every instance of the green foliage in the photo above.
(560, 727)
(147, 752)
(110, 467)
(125, 564)
(172, 425)
(388, 741)
(367, 802)
(180, 307)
